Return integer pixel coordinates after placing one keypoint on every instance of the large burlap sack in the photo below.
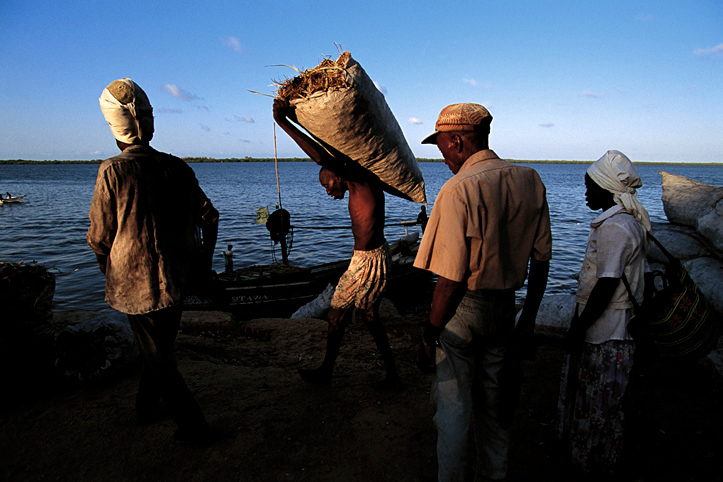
(687, 200)
(355, 120)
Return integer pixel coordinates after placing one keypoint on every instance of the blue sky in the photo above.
(563, 79)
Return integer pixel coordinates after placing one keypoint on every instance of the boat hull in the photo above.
(278, 291)
(15, 199)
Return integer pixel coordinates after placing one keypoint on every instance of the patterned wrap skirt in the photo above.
(362, 283)
(590, 407)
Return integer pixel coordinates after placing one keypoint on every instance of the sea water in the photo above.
(49, 226)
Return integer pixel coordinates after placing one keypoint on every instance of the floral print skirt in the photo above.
(590, 407)
(363, 282)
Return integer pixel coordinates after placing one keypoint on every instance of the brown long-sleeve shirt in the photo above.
(146, 216)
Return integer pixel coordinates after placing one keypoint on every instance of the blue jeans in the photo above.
(467, 389)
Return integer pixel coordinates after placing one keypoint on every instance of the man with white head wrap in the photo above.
(128, 111)
(146, 218)
(597, 369)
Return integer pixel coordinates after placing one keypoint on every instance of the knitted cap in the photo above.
(459, 117)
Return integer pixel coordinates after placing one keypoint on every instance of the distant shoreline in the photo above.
(193, 160)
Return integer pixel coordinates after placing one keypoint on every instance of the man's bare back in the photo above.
(366, 210)
(366, 207)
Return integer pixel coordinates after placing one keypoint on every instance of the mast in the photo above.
(284, 251)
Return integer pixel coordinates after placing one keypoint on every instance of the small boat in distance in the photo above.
(11, 199)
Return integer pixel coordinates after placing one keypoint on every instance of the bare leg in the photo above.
(322, 375)
(379, 333)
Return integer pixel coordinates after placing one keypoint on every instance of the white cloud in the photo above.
(475, 83)
(716, 51)
(644, 17)
(587, 93)
(237, 118)
(205, 128)
(233, 43)
(547, 124)
(179, 93)
(381, 88)
(414, 121)
(165, 110)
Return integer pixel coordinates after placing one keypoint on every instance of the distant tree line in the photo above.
(25, 161)
(306, 159)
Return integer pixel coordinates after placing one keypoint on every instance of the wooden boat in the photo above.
(11, 199)
(279, 290)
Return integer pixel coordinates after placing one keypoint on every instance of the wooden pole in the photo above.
(284, 253)
(276, 166)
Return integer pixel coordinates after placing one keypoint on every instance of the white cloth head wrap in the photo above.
(128, 111)
(615, 173)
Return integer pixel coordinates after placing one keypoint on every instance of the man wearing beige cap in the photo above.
(145, 218)
(489, 220)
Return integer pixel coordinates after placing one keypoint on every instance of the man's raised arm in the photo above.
(283, 115)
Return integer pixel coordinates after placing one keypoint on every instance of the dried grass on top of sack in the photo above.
(339, 105)
(328, 74)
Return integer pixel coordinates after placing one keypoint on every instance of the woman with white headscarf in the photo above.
(600, 349)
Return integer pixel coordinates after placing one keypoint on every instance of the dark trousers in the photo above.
(156, 333)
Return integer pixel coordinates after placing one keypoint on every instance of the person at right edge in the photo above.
(597, 368)
(488, 221)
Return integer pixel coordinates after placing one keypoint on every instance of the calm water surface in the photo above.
(50, 225)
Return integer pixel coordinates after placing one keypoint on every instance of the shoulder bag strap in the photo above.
(672, 260)
(632, 299)
(662, 248)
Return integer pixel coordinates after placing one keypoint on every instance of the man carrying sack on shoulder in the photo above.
(361, 286)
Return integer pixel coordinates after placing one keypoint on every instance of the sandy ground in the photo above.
(277, 427)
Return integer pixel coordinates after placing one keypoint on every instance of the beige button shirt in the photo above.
(145, 217)
(488, 220)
